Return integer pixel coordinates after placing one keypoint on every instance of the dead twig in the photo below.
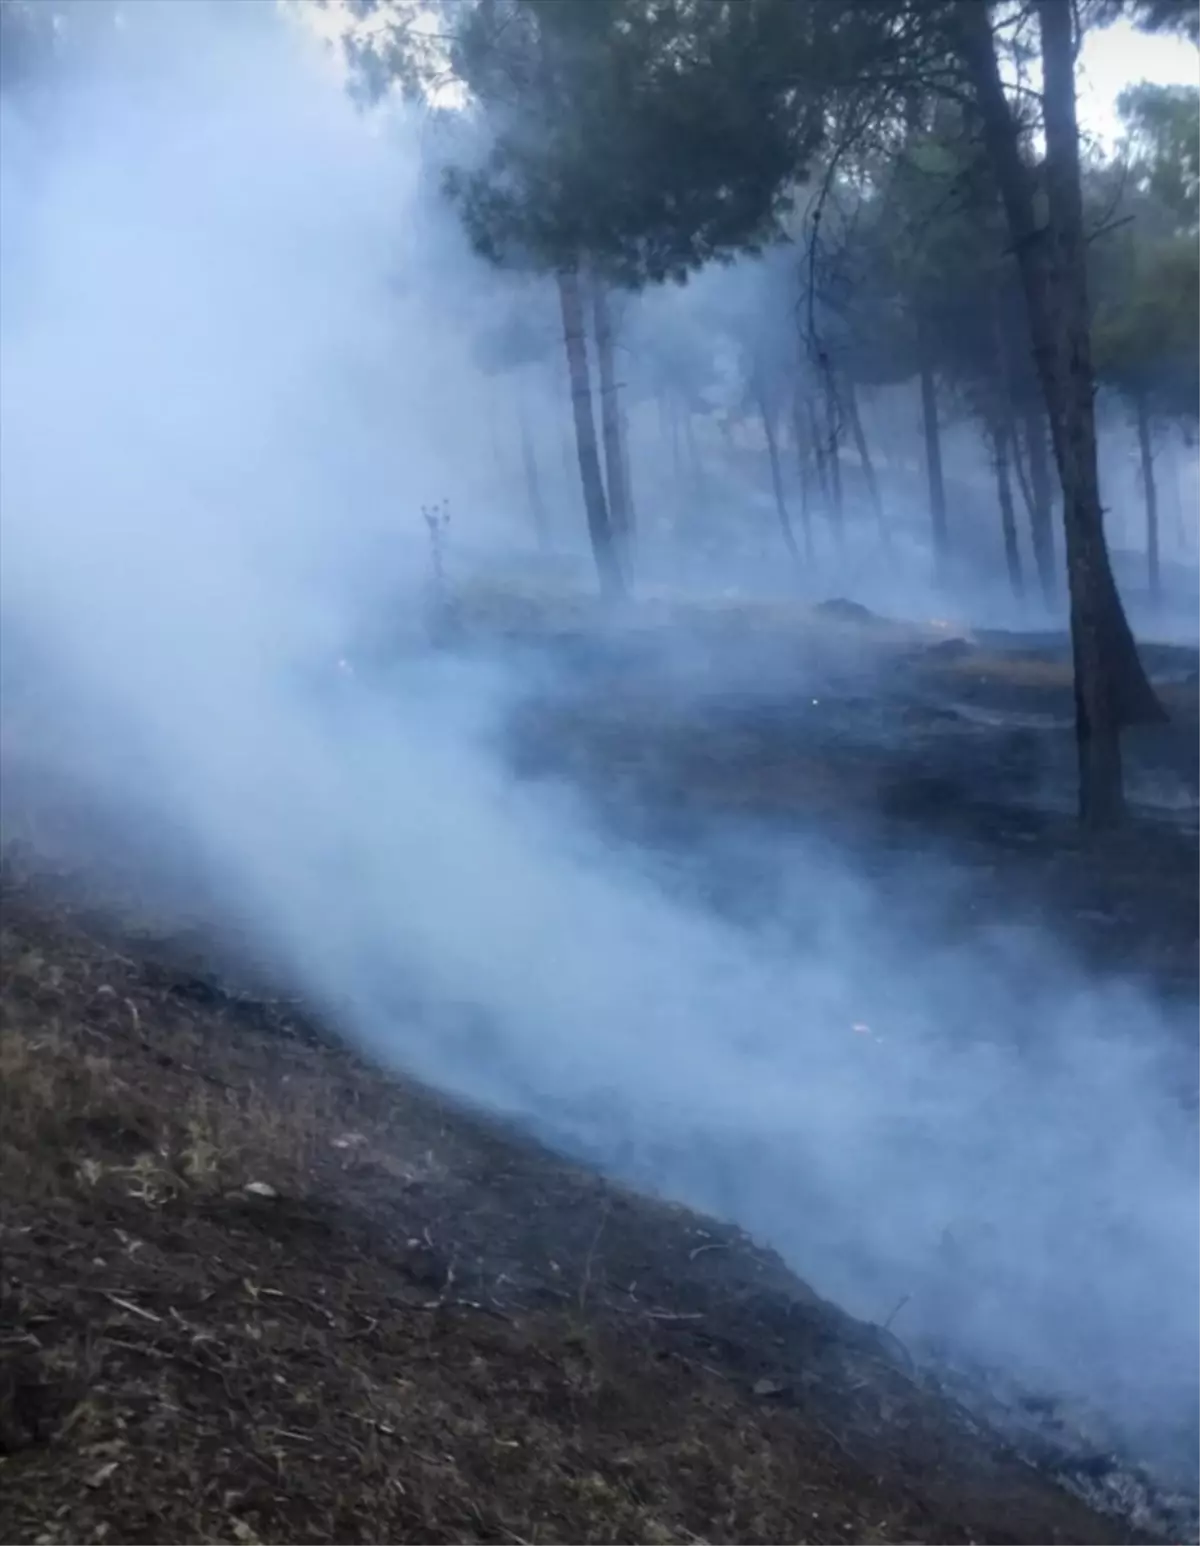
(716, 1245)
(134, 1309)
(897, 1307)
(586, 1279)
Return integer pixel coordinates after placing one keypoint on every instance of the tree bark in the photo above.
(781, 509)
(864, 456)
(1150, 493)
(1111, 686)
(610, 425)
(933, 453)
(604, 550)
(533, 486)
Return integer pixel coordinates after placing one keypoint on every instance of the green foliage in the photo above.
(645, 137)
(1180, 16)
(389, 45)
(1163, 146)
(1147, 322)
(1146, 270)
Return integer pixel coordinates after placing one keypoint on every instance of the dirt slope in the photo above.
(252, 1289)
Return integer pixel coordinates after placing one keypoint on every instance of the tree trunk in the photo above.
(610, 424)
(608, 566)
(533, 486)
(818, 455)
(781, 509)
(821, 459)
(1003, 435)
(1111, 686)
(805, 470)
(1001, 444)
(933, 454)
(833, 451)
(864, 456)
(1150, 492)
(1037, 490)
(627, 479)
(1041, 507)
(1018, 462)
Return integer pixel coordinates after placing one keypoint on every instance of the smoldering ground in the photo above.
(218, 407)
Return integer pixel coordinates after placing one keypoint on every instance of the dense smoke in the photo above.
(234, 370)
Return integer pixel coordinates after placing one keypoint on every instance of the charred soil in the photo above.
(256, 1289)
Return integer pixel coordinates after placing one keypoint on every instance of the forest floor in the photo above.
(254, 1288)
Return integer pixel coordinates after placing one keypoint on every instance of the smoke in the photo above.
(231, 376)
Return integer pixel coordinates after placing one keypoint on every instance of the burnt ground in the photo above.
(895, 745)
(255, 1288)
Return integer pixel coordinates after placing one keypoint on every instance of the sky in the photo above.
(1111, 59)
(1118, 57)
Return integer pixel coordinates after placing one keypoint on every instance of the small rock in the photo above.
(848, 611)
(260, 1189)
(99, 1477)
(948, 649)
(767, 1387)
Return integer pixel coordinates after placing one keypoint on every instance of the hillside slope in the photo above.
(254, 1289)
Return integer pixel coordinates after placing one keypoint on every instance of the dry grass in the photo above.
(254, 1291)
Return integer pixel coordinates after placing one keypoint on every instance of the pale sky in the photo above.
(1111, 59)
(1118, 57)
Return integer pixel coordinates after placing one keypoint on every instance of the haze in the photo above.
(240, 352)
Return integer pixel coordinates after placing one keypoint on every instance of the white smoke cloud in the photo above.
(217, 409)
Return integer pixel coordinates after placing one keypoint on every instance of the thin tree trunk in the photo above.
(817, 441)
(604, 550)
(533, 486)
(1003, 436)
(1001, 445)
(1041, 510)
(627, 477)
(821, 458)
(1018, 461)
(864, 456)
(781, 509)
(805, 469)
(610, 425)
(1150, 493)
(1111, 686)
(933, 454)
(1037, 489)
(833, 429)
